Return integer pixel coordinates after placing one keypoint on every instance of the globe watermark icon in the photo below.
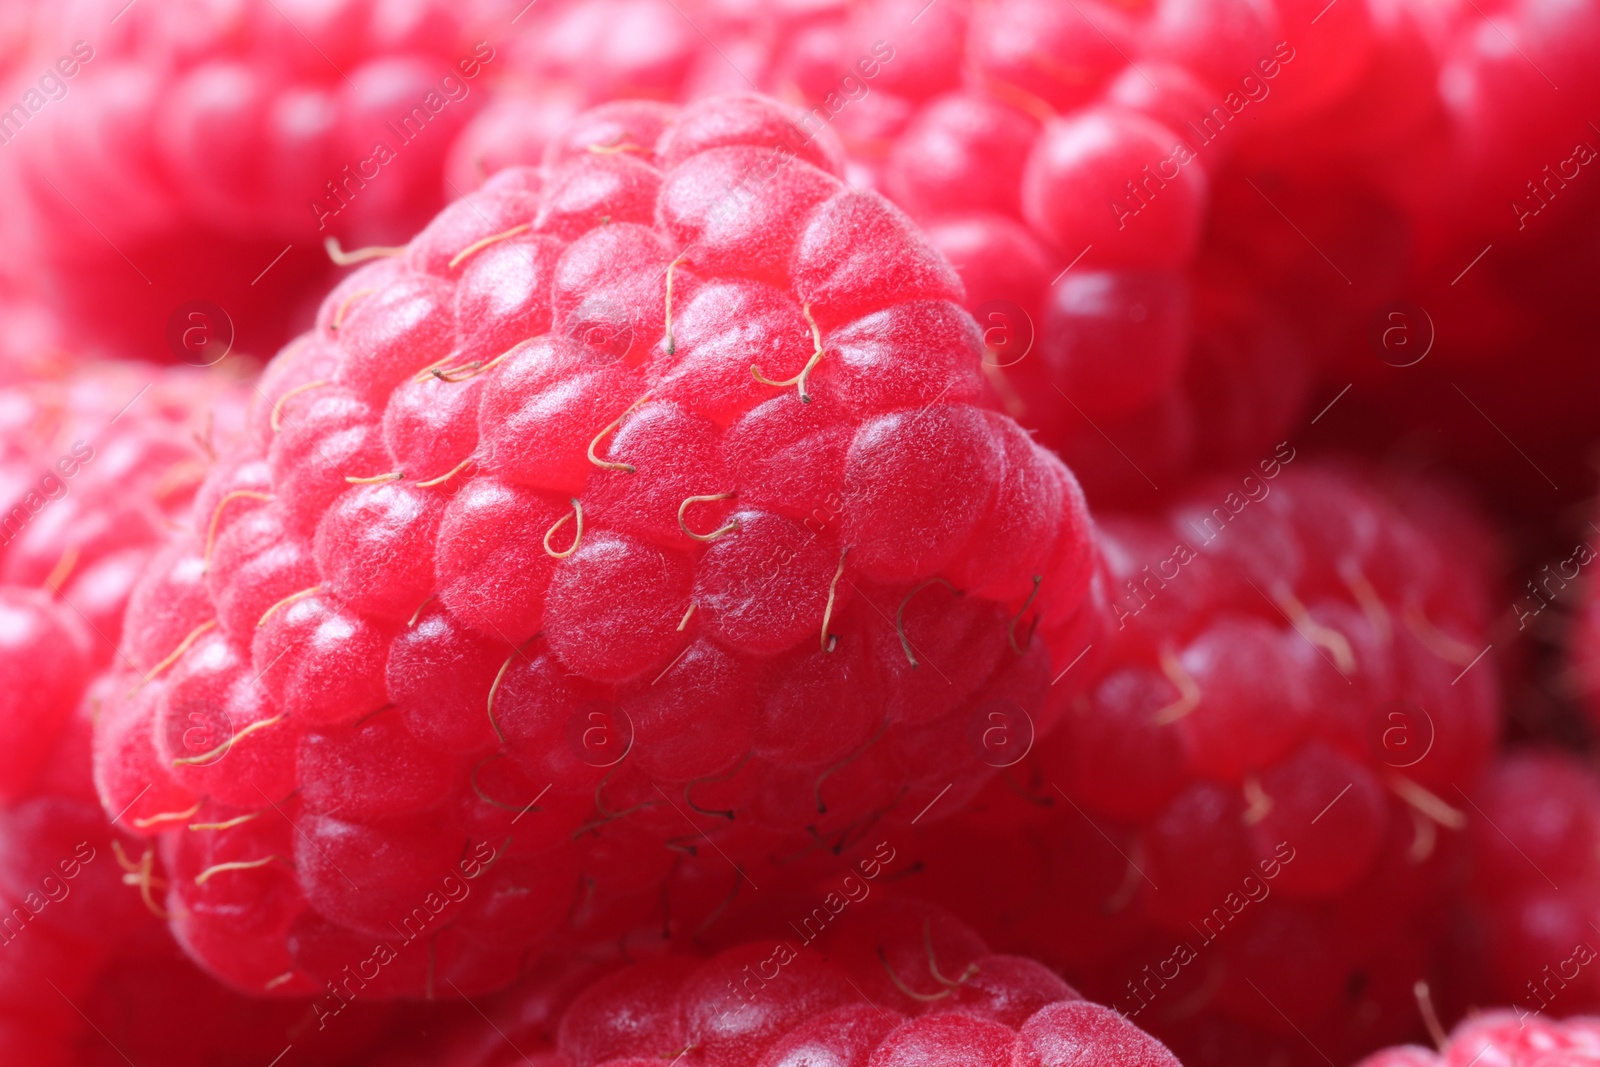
(1400, 733)
(1001, 733)
(1008, 332)
(200, 333)
(1401, 333)
(600, 733)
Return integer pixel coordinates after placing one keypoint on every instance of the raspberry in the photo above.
(94, 464)
(130, 1011)
(34, 345)
(1504, 1037)
(647, 494)
(1535, 882)
(201, 142)
(1031, 151)
(64, 907)
(610, 49)
(896, 984)
(1079, 166)
(1117, 337)
(1491, 69)
(1254, 806)
(46, 654)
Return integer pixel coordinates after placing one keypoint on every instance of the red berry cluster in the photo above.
(1058, 155)
(166, 153)
(646, 496)
(637, 575)
(1536, 893)
(1263, 770)
(896, 984)
(1256, 191)
(102, 460)
(1502, 1037)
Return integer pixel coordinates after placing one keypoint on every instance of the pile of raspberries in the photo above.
(799, 533)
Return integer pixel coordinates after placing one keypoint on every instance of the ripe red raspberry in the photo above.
(1517, 87)
(34, 345)
(96, 463)
(602, 50)
(644, 501)
(1503, 1037)
(893, 984)
(195, 143)
(1453, 149)
(63, 908)
(1035, 156)
(1536, 883)
(93, 466)
(1254, 808)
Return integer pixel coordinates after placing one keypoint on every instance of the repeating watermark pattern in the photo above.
(1008, 333)
(53, 888)
(412, 926)
(1553, 982)
(1401, 333)
(1544, 187)
(1545, 590)
(202, 730)
(853, 888)
(1253, 889)
(1002, 733)
(1145, 186)
(600, 733)
(200, 333)
(1252, 489)
(352, 178)
(753, 179)
(51, 86)
(850, 88)
(1401, 733)
(51, 486)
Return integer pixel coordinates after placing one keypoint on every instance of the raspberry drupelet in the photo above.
(642, 504)
(204, 151)
(1535, 892)
(1062, 158)
(1505, 1039)
(95, 463)
(1254, 813)
(891, 983)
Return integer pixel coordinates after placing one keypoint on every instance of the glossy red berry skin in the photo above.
(1263, 769)
(96, 463)
(520, 560)
(1353, 157)
(1502, 1036)
(204, 142)
(889, 984)
(1022, 139)
(1531, 918)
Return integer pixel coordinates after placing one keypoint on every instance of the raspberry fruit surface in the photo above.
(1536, 883)
(893, 984)
(644, 505)
(93, 465)
(1315, 171)
(1252, 813)
(1062, 158)
(195, 142)
(1503, 1037)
